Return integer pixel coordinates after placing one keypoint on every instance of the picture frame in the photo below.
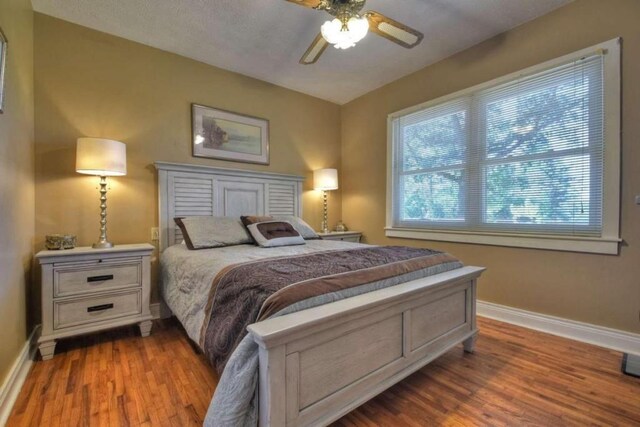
(224, 135)
(3, 63)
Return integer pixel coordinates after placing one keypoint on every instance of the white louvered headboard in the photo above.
(191, 190)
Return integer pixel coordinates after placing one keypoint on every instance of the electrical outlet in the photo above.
(155, 234)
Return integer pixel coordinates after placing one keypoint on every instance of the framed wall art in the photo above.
(219, 134)
(3, 63)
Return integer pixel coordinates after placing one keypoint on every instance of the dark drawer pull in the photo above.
(100, 278)
(99, 308)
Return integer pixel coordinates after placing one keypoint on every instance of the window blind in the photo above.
(524, 156)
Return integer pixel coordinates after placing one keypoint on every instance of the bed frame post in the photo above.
(272, 388)
(470, 343)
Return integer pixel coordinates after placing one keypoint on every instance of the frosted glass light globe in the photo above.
(331, 31)
(334, 33)
(358, 27)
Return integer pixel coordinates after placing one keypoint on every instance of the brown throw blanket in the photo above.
(245, 293)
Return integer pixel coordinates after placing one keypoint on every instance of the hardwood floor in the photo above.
(515, 377)
(118, 378)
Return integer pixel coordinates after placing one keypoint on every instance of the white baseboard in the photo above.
(160, 310)
(17, 375)
(614, 339)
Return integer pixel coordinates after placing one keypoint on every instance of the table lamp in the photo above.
(103, 158)
(325, 180)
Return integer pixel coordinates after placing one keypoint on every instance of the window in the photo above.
(527, 160)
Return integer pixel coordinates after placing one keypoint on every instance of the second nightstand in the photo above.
(86, 290)
(346, 236)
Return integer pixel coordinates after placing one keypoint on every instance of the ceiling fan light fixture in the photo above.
(344, 37)
(351, 24)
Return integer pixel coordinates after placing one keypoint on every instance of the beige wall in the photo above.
(16, 180)
(604, 290)
(89, 83)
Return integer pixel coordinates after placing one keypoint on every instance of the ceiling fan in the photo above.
(350, 26)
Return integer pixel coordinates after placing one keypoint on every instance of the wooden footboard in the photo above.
(318, 364)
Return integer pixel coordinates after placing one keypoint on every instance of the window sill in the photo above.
(594, 245)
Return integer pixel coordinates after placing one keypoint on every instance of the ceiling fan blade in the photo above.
(312, 54)
(308, 3)
(393, 30)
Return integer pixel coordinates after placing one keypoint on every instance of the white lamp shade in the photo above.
(103, 157)
(325, 179)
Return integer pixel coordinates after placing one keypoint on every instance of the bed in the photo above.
(317, 360)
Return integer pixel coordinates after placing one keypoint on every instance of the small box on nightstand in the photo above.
(86, 290)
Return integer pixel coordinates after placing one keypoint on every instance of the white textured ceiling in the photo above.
(265, 38)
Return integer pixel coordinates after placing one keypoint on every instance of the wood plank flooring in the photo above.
(516, 377)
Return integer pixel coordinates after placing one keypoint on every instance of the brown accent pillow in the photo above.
(270, 234)
(185, 234)
(253, 219)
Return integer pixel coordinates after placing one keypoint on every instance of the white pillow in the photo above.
(200, 232)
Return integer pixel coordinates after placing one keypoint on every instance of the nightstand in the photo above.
(346, 236)
(86, 290)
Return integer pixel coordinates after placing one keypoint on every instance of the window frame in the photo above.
(607, 243)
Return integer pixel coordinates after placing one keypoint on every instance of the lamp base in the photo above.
(324, 226)
(102, 245)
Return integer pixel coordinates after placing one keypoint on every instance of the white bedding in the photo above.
(187, 275)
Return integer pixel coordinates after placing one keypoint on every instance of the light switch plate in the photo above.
(638, 199)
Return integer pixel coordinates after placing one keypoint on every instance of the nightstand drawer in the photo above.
(79, 311)
(344, 236)
(95, 278)
(354, 239)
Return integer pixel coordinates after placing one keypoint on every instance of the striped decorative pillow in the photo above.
(298, 223)
(270, 234)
